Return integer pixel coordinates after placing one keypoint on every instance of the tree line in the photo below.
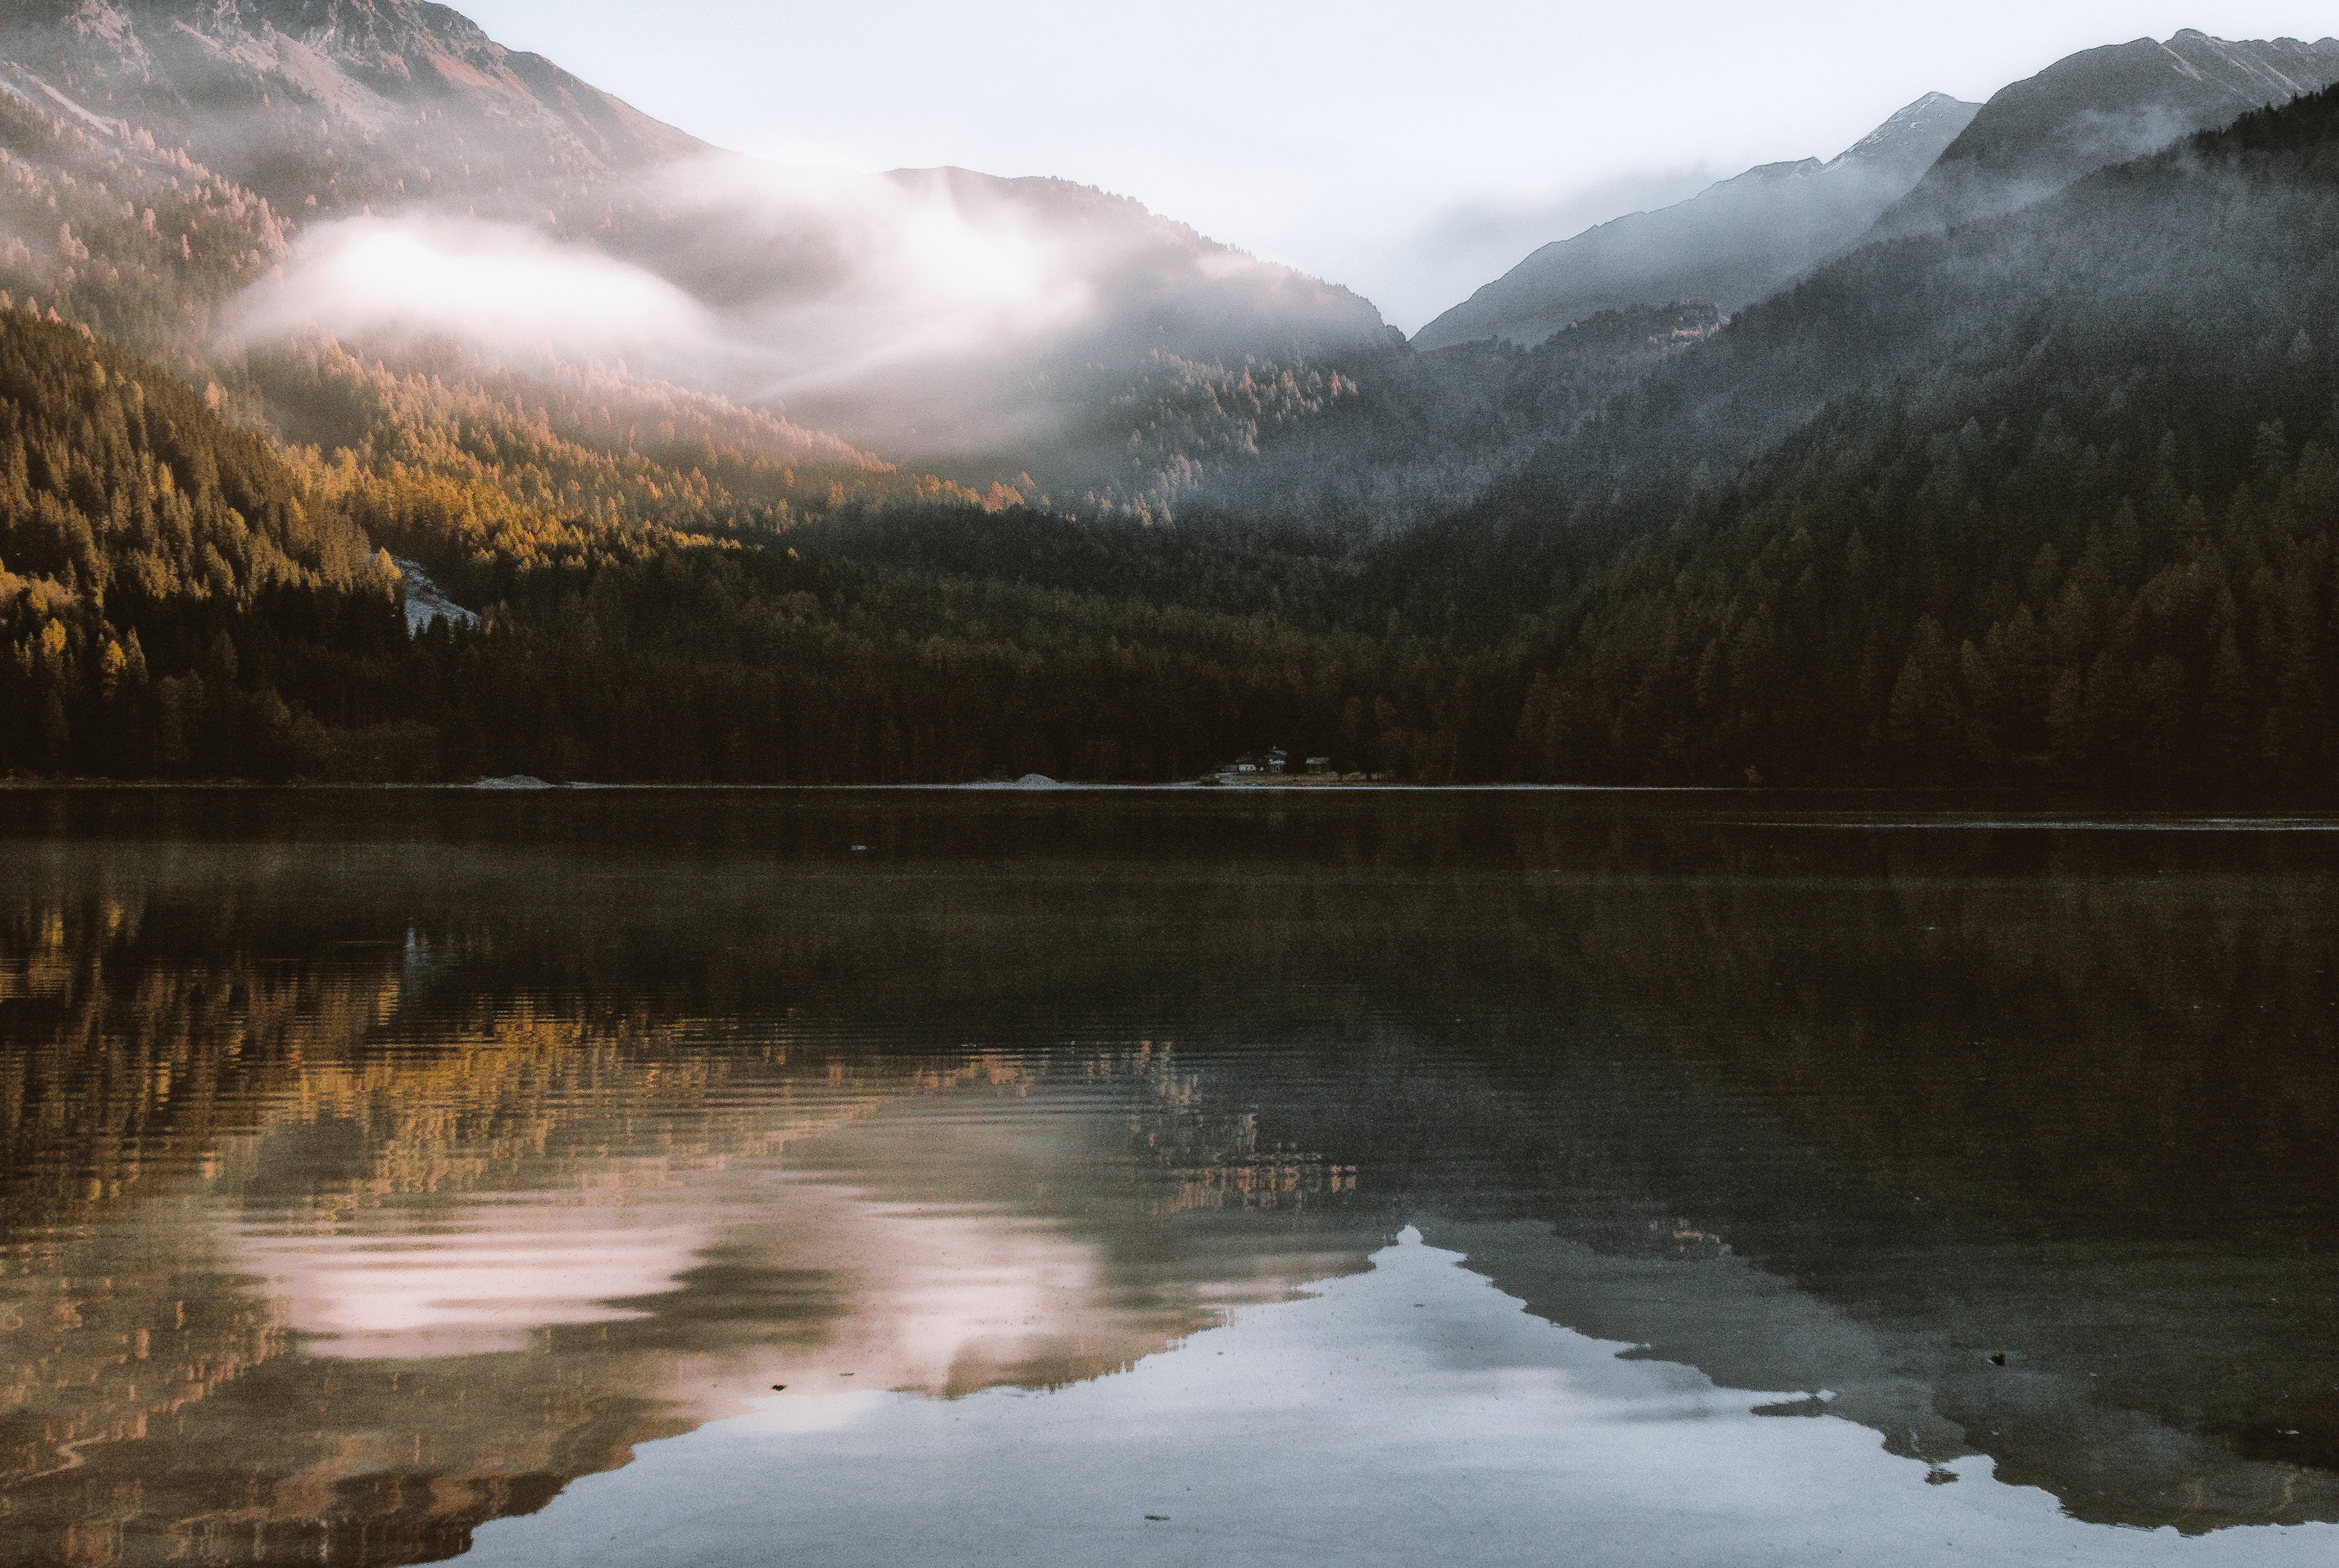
(2049, 499)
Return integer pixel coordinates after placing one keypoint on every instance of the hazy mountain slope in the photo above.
(137, 240)
(1101, 288)
(1363, 445)
(2067, 512)
(1733, 243)
(2099, 107)
(2143, 260)
(331, 105)
(417, 183)
(348, 104)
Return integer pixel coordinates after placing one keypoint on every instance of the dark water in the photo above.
(1163, 1177)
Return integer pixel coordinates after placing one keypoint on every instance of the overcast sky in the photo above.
(1410, 151)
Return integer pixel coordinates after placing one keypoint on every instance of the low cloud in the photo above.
(496, 287)
(832, 276)
(929, 311)
(1469, 244)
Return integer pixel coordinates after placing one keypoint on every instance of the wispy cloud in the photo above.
(911, 307)
(495, 286)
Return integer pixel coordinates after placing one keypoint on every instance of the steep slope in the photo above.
(301, 115)
(2099, 107)
(137, 527)
(1055, 297)
(1732, 243)
(2060, 504)
(135, 239)
(329, 105)
(1364, 445)
(397, 178)
(114, 480)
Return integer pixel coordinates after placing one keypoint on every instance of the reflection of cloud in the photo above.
(927, 1300)
(905, 1254)
(480, 1281)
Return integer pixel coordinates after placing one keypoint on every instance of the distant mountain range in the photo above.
(2100, 107)
(1997, 448)
(1729, 244)
(1937, 164)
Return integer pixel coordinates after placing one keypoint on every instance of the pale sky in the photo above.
(1412, 151)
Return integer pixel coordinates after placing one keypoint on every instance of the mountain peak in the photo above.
(2103, 106)
(241, 82)
(1735, 241)
(1914, 130)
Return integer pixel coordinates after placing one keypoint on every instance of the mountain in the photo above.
(326, 106)
(384, 170)
(1732, 243)
(2046, 496)
(2041, 496)
(2099, 107)
(1363, 445)
(1038, 299)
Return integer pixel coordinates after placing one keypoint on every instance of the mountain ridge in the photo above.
(336, 150)
(1735, 241)
(2099, 107)
(210, 77)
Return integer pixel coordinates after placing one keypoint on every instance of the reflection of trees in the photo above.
(1810, 1110)
(1211, 1151)
(2070, 1108)
(171, 1088)
(2066, 1098)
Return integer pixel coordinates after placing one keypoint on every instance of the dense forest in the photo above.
(182, 599)
(2047, 499)
(2072, 519)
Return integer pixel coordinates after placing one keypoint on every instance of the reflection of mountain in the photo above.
(1860, 1111)
(1804, 1108)
(481, 1258)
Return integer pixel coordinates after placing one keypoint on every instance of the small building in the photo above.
(1273, 762)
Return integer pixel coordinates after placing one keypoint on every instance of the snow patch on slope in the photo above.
(425, 604)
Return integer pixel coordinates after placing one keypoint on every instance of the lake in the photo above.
(1171, 1177)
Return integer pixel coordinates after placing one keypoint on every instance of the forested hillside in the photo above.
(1365, 446)
(2070, 514)
(177, 600)
(2045, 499)
(161, 574)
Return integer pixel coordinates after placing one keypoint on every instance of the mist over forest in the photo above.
(2000, 449)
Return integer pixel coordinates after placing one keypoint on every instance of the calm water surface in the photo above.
(699, 1178)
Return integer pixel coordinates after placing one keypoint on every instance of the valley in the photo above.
(1994, 451)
